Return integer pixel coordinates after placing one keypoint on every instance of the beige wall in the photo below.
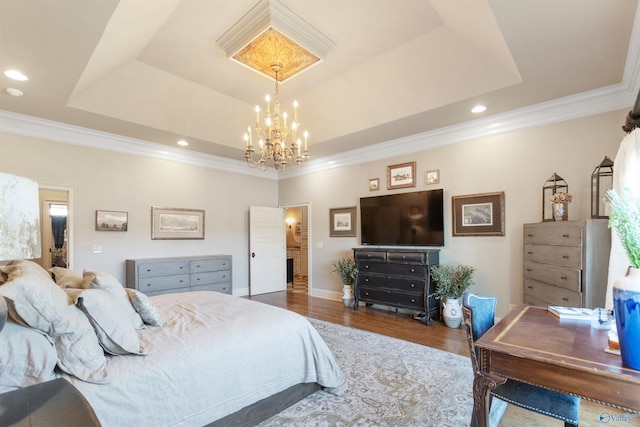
(103, 180)
(517, 163)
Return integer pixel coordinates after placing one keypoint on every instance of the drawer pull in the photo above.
(413, 285)
(366, 267)
(404, 257)
(366, 293)
(148, 270)
(528, 269)
(529, 287)
(181, 267)
(563, 277)
(565, 299)
(413, 270)
(366, 279)
(530, 253)
(529, 235)
(413, 300)
(565, 256)
(566, 235)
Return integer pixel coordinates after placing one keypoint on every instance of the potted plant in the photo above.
(451, 283)
(345, 267)
(625, 219)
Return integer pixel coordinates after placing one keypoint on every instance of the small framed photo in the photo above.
(432, 176)
(176, 223)
(342, 222)
(401, 176)
(374, 184)
(111, 221)
(478, 214)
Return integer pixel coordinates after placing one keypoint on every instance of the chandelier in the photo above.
(278, 143)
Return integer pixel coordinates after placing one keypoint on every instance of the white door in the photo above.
(267, 250)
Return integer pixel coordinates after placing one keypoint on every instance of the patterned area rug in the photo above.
(391, 383)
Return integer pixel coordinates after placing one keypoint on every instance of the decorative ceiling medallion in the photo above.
(270, 33)
(272, 47)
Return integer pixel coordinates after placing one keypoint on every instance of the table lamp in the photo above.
(19, 223)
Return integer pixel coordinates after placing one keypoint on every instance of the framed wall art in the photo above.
(401, 176)
(478, 214)
(176, 223)
(374, 184)
(111, 221)
(342, 222)
(432, 176)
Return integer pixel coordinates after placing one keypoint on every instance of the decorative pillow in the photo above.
(108, 283)
(27, 357)
(20, 267)
(66, 278)
(110, 321)
(145, 308)
(35, 300)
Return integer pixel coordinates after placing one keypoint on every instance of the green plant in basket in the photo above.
(345, 267)
(625, 220)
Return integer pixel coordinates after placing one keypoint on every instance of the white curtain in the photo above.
(626, 174)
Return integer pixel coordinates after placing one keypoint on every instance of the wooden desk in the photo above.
(534, 346)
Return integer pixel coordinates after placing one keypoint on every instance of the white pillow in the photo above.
(27, 357)
(145, 308)
(38, 302)
(110, 321)
(66, 278)
(108, 283)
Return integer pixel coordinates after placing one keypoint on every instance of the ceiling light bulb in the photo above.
(478, 109)
(15, 75)
(13, 91)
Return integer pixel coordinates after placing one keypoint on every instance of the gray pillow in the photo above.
(145, 308)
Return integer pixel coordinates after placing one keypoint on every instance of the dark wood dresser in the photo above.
(399, 278)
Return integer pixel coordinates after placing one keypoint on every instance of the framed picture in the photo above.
(342, 222)
(374, 184)
(176, 223)
(478, 214)
(432, 176)
(111, 221)
(401, 176)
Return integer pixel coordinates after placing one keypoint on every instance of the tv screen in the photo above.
(406, 219)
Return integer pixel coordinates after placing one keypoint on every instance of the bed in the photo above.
(216, 359)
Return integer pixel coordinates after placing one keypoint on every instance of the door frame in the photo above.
(309, 258)
(71, 204)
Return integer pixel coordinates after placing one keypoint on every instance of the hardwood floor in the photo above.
(439, 336)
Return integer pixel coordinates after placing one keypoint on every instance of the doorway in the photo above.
(298, 254)
(56, 227)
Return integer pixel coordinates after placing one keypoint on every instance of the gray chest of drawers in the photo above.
(155, 276)
(566, 263)
(396, 277)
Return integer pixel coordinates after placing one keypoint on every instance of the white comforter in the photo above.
(215, 355)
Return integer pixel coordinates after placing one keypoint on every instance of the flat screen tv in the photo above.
(406, 219)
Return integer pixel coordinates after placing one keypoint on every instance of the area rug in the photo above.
(391, 383)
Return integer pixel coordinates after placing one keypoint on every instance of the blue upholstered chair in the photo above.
(479, 314)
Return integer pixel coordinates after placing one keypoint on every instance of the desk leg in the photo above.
(483, 383)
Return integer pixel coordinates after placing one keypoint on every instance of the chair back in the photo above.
(479, 314)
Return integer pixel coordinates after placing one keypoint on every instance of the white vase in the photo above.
(347, 295)
(452, 312)
(626, 306)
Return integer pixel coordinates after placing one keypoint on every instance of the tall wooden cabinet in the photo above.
(566, 263)
(398, 278)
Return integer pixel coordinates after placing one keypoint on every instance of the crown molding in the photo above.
(35, 127)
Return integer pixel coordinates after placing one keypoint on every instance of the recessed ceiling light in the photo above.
(16, 75)
(478, 109)
(183, 143)
(13, 91)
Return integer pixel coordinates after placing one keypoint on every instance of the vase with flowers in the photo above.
(345, 267)
(625, 220)
(560, 205)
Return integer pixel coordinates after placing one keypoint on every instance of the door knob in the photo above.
(253, 254)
